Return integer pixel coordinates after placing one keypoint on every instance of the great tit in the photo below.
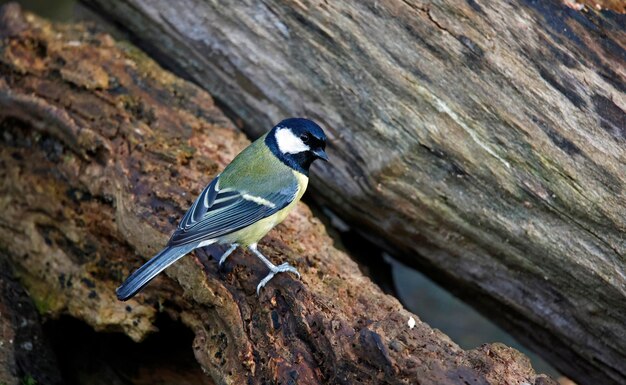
(254, 193)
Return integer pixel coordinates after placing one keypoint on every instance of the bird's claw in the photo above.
(222, 260)
(226, 254)
(282, 268)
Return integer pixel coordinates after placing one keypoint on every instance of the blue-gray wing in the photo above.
(218, 212)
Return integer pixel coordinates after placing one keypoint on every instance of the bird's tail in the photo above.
(150, 269)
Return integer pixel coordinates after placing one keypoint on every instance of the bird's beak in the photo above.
(321, 154)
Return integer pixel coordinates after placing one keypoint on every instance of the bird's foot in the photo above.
(285, 267)
(222, 260)
(226, 254)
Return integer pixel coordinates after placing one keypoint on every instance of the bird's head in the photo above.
(297, 142)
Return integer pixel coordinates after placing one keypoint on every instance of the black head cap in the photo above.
(297, 142)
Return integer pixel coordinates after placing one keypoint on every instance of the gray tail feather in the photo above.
(150, 269)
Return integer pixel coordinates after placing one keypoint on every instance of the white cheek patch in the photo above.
(288, 143)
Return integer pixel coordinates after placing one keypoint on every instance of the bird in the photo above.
(253, 193)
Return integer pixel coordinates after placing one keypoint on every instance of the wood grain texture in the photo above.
(482, 140)
(101, 152)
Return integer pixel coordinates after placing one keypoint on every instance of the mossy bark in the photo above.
(101, 153)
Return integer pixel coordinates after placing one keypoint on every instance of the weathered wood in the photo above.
(101, 151)
(481, 140)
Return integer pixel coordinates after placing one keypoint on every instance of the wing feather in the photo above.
(200, 205)
(219, 212)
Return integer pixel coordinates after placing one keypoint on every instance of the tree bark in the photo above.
(482, 141)
(101, 153)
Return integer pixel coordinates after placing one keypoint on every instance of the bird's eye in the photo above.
(305, 138)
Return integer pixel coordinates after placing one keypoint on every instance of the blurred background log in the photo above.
(101, 152)
(481, 141)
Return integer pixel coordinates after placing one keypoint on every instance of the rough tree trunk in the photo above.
(102, 151)
(483, 140)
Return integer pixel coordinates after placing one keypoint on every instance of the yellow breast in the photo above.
(254, 233)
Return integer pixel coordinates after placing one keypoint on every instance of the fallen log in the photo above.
(482, 142)
(101, 153)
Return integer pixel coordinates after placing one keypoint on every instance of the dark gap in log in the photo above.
(367, 254)
(442, 309)
(25, 351)
(89, 357)
(487, 307)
